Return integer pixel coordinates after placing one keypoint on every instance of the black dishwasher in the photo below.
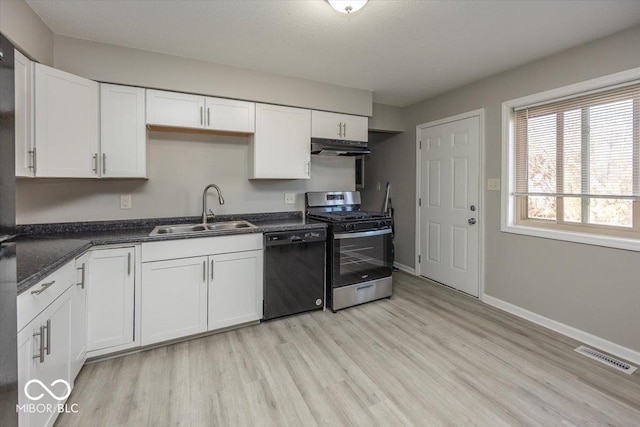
(294, 269)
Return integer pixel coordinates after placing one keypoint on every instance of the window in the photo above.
(574, 164)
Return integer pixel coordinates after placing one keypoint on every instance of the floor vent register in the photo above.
(606, 359)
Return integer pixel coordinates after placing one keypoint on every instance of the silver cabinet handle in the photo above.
(104, 163)
(201, 116)
(204, 271)
(129, 264)
(211, 269)
(43, 288)
(344, 130)
(95, 163)
(32, 154)
(40, 334)
(208, 116)
(48, 328)
(81, 284)
(308, 168)
(340, 129)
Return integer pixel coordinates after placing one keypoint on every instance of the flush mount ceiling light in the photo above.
(347, 6)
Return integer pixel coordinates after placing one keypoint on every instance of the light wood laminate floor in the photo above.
(428, 356)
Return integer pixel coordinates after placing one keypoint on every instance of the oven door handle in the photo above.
(362, 234)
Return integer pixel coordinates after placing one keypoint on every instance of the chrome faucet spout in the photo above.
(204, 201)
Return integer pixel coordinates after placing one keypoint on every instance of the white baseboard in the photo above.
(570, 331)
(404, 268)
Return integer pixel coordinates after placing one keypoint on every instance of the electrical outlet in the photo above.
(493, 184)
(289, 198)
(125, 201)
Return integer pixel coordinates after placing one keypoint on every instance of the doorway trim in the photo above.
(481, 180)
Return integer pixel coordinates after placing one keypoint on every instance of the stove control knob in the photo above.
(350, 227)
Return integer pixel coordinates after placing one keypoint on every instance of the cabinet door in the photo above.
(281, 146)
(24, 115)
(230, 115)
(43, 355)
(355, 128)
(326, 125)
(66, 124)
(110, 298)
(78, 335)
(123, 134)
(235, 289)
(175, 299)
(175, 109)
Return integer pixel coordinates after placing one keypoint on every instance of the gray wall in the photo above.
(178, 167)
(20, 24)
(115, 64)
(591, 288)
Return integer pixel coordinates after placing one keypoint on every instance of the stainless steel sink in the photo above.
(200, 228)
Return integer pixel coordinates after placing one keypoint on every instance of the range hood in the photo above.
(337, 147)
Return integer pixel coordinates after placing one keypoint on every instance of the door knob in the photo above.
(472, 221)
(472, 208)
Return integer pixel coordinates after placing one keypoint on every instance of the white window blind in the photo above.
(577, 160)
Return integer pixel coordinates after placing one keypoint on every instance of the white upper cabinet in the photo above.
(66, 124)
(198, 112)
(123, 133)
(25, 159)
(339, 126)
(174, 109)
(281, 146)
(230, 115)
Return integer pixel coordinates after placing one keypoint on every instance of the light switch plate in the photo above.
(493, 184)
(289, 198)
(125, 201)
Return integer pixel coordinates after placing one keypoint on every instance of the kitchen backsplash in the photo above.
(179, 166)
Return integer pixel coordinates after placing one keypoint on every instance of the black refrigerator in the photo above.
(8, 279)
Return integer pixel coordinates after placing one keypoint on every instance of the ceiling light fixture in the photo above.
(347, 6)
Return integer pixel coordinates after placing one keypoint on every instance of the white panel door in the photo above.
(66, 124)
(110, 298)
(326, 125)
(230, 115)
(449, 191)
(24, 115)
(235, 289)
(281, 146)
(174, 302)
(123, 133)
(175, 109)
(355, 128)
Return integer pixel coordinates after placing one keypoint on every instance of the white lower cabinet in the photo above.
(44, 359)
(175, 299)
(110, 298)
(204, 285)
(78, 313)
(235, 289)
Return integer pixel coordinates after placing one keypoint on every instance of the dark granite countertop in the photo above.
(43, 248)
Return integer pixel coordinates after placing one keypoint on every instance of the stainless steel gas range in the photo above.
(359, 248)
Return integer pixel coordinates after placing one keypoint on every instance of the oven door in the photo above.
(360, 256)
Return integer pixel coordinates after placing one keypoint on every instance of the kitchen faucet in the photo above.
(204, 200)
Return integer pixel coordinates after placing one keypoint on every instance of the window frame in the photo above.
(512, 208)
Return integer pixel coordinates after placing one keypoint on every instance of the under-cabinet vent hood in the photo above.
(336, 147)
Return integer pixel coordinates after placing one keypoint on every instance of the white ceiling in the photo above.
(403, 51)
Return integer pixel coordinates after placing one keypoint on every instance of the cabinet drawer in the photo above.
(174, 249)
(35, 299)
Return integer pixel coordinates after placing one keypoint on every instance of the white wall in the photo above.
(591, 288)
(115, 64)
(20, 24)
(179, 166)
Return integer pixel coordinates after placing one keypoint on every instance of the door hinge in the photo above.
(419, 259)
(420, 145)
(420, 201)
